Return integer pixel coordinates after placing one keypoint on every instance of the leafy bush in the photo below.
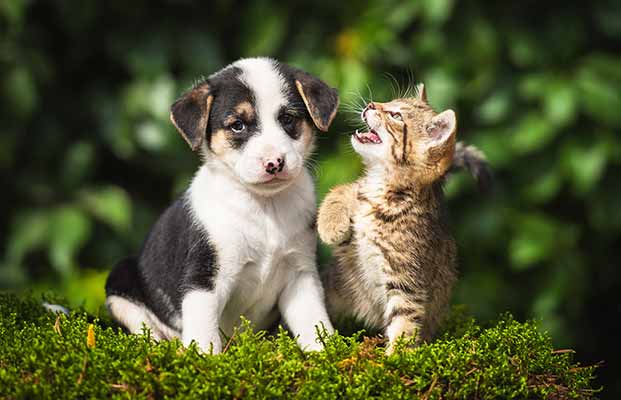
(44, 355)
(88, 157)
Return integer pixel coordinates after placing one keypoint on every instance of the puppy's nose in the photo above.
(274, 164)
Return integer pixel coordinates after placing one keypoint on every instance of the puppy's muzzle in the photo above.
(273, 165)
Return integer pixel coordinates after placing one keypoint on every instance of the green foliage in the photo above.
(88, 157)
(44, 355)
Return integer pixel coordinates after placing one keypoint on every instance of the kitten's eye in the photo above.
(237, 126)
(286, 119)
(396, 116)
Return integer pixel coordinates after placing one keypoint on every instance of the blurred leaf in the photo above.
(534, 85)
(87, 281)
(455, 184)
(482, 43)
(494, 143)
(69, 230)
(537, 238)
(116, 129)
(546, 185)
(532, 133)
(30, 231)
(441, 88)
(263, 32)
(20, 88)
(13, 10)
(333, 171)
(78, 162)
(401, 14)
(560, 102)
(161, 96)
(608, 16)
(584, 164)
(437, 11)
(600, 88)
(495, 108)
(353, 79)
(524, 50)
(150, 136)
(111, 205)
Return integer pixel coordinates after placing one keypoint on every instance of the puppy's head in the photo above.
(256, 119)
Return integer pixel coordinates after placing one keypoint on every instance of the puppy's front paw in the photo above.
(207, 345)
(333, 228)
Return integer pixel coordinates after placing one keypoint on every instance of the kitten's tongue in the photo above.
(368, 137)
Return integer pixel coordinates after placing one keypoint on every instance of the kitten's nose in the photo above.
(370, 106)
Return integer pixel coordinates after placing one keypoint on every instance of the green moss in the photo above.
(43, 355)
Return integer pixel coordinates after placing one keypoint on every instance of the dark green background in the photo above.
(88, 157)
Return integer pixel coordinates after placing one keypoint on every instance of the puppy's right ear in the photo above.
(190, 114)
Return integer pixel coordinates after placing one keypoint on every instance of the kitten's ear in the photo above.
(442, 128)
(421, 93)
(320, 99)
(190, 114)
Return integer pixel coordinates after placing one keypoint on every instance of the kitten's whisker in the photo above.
(394, 85)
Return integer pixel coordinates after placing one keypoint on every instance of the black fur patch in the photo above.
(229, 92)
(324, 99)
(175, 258)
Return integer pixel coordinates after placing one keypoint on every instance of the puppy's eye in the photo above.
(286, 119)
(396, 116)
(238, 126)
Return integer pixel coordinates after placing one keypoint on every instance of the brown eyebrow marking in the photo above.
(243, 110)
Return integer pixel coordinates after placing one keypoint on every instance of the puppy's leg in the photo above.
(303, 308)
(334, 219)
(132, 315)
(201, 310)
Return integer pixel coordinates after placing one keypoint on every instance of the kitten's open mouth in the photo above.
(368, 137)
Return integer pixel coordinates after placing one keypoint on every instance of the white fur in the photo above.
(373, 153)
(271, 142)
(262, 237)
(264, 247)
(199, 310)
(135, 317)
(56, 308)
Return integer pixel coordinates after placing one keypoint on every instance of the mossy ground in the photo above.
(44, 355)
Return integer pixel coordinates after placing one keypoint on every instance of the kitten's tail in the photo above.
(473, 160)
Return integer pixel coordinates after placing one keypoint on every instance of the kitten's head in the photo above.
(408, 134)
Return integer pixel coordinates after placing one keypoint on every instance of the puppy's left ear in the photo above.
(190, 114)
(321, 100)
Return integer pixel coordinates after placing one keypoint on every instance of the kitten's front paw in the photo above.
(333, 229)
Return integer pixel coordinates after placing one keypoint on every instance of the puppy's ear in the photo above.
(321, 100)
(190, 114)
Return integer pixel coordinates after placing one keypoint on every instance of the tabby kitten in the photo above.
(395, 256)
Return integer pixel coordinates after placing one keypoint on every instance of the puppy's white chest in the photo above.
(258, 242)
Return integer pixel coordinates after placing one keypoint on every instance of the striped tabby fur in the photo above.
(395, 257)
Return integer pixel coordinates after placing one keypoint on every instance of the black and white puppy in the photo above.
(241, 240)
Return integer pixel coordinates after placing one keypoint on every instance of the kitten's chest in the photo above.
(370, 249)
